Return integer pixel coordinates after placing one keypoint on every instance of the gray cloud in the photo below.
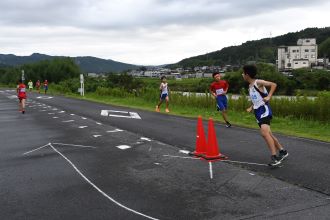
(147, 31)
(135, 14)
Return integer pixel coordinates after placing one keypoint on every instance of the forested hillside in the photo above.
(86, 64)
(264, 50)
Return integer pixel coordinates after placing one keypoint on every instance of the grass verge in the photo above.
(287, 126)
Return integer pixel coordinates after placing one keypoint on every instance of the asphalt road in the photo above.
(63, 159)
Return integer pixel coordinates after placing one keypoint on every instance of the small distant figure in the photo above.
(38, 86)
(30, 85)
(21, 94)
(164, 94)
(219, 90)
(260, 98)
(46, 86)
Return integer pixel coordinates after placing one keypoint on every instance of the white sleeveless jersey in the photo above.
(256, 98)
(163, 87)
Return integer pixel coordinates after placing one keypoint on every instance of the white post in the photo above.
(82, 92)
(23, 77)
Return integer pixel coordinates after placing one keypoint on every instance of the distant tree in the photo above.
(324, 48)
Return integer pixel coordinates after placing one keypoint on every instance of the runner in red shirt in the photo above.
(21, 94)
(38, 86)
(45, 86)
(219, 90)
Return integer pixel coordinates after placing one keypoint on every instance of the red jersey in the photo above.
(37, 84)
(21, 91)
(219, 87)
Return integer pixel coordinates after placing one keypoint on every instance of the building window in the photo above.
(307, 41)
(293, 51)
(306, 56)
(312, 50)
(306, 50)
(304, 62)
(289, 65)
(312, 56)
(296, 63)
(297, 51)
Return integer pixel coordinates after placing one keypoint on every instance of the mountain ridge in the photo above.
(86, 63)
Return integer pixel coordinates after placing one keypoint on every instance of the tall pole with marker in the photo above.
(23, 77)
(82, 86)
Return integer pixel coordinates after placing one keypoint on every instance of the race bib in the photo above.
(219, 91)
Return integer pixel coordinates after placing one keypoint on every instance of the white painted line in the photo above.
(192, 158)
(133, 115)
(116, 130)
(54, 109)
(55, 117)
(82, 126)
(83, 118)
(75, 145)
(12, 97)
(233, 161)
(61, 112)
(252, 174)
(98, 123)
(211, 170)
(145, 139)
(72, 114)
(119, 116)
(51, 113)
(157, 163)
(44, 97)
(97, 188)
(36, 149)
(184, 151)
(104, 113)
(68, 121)
(123, 147)
(97, 135)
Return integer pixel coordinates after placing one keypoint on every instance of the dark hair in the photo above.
(250, 70)
(163, 77)
(215, 73)
(20, 81)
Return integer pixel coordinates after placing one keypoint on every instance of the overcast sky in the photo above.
(148, 32)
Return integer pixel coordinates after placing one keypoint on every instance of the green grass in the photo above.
(283, 125)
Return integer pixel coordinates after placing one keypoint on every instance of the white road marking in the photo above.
(116, 130)
(61, 112)
(36, 149)
(82, 126)
(55, 117)
(75, 145)
(98, 189)
(184, 151)
(51, 113)
(98, 123)
(233, 161)
(145, 139)
(97, 135)
(83, 118)
(68, 121)
(128, 114)
(44, 97)
(123, 147)
(72, 114)
(192, 158)
(211, 170)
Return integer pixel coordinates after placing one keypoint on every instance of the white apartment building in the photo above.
(294, 57)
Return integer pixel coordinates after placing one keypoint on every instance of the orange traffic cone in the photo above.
(212, 150)
(200, 139)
